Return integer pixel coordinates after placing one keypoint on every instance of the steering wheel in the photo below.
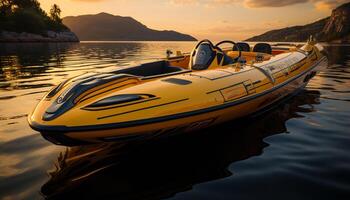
(208, 42)
(233, 48)
(203, 54)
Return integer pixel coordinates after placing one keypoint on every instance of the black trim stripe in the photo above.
(267, 83)
(142, 109)
(224, 76)
(256, 82)
(167, 74)
(123, 105)
(223, 97)
(120, 86)
(297, 67)
(246, 91)
(280, 76)
(212, 79)
(251, 85)
(176, 58)
(227, 86)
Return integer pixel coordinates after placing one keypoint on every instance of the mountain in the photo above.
(292, 34)
(335, 28)
(104, 26)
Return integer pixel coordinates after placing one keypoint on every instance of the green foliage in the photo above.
(30, 21)
(34, 4)
(27, 16)
(55, 13)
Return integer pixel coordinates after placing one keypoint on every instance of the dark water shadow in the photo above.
(30, 60)
(160, 169)
(337, 55)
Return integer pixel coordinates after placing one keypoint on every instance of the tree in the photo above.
(10, 6)
(5, 7)
(23, 4)
(27, 16)
(55, 13)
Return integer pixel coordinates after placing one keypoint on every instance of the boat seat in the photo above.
(150, 69)
(242, 46)
(262, 48)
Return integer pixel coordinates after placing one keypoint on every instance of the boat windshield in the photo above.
(203, 57)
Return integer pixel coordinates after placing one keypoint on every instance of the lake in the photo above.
(300, 149)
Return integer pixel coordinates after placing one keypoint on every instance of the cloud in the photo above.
(328, 4)
(248, 3)
(226, 30)
(89, 1)
(226, 1)
(319, 4)
(271, 3)
(206, 3)
(215, 3)
(184, 2)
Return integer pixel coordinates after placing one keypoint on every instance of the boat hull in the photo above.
(181, 122)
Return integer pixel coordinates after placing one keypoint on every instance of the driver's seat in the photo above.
(204, 56)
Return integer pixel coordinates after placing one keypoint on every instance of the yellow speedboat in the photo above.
(188, 92)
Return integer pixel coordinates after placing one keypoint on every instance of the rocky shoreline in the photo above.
(51, 36)
(333, 29)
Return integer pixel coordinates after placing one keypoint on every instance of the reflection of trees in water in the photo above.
(23, 61)
(14, 58)
(160, 169)
(113, 51)
(338, 54)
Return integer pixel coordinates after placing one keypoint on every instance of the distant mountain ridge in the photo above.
(335, 28)
(104, 26)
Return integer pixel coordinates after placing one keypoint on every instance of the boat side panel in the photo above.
(203, 120)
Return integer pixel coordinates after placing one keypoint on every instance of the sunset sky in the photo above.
(213, 19)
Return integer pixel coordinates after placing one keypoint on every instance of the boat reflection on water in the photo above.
(159, 169)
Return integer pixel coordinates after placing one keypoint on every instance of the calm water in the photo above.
(298, 150)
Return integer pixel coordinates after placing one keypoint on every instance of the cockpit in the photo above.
(206, 55)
